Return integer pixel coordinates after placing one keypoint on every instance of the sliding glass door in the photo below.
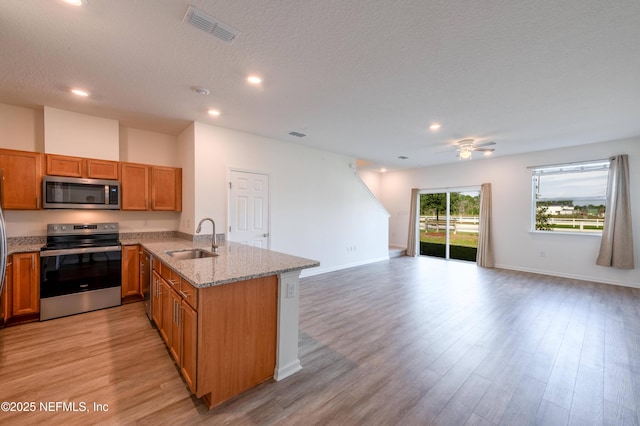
(449, 224)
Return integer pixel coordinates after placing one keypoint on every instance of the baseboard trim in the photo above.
(570, 276)
(284, 372)
(317, 271)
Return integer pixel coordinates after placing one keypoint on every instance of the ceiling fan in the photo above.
(466, 147)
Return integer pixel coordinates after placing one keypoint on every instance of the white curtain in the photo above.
(484, 256)
(616, 245)
(413, 224)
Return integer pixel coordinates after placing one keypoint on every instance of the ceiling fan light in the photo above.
(465, 153)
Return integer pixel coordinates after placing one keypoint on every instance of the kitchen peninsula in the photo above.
(231, 320)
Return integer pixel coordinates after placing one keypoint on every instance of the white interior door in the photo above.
(249, 208)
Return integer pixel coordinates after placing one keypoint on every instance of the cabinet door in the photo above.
(63, 165)
(130, 271)
(5, 297)
(134, 183)
(175, 340)
(25, 290)
(156, 294)
(189, 330)
(166, 188)
(102, 169)
(21, 179)
(168, 312)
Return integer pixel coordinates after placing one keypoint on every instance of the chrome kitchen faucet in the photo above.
(214, 241)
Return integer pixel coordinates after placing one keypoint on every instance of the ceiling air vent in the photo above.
(210, 25)
(296, 134)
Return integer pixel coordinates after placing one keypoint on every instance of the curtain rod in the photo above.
(573, 163)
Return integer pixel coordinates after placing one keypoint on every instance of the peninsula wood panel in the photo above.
(236, 337)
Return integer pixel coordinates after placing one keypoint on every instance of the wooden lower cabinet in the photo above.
(25, 288)
(226, 343)
(130, 271)
(174, 331)
(189, 343)
(5, 296)
(156, 295)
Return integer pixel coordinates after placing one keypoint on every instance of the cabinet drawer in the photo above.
(189, 293)
(172, 278)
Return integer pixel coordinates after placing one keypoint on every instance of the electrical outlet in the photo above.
(291, 290)
(543, 253)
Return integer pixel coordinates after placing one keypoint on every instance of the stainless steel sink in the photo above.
(190, 254)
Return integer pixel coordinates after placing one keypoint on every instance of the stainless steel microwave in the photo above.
(79, 193)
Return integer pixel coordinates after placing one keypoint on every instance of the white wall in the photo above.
(373, 181)
(187, 162)
(515, 246)
(319, 208)
(21, 128)
(142, 146)
(80, 135)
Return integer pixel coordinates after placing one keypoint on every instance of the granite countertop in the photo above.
(13, 248)
(235, 262)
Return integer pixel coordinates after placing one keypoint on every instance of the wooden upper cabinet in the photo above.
(64, 165)
(102, 169)
(147, 187)
(21, 185)
(134, 185)
(166, 188)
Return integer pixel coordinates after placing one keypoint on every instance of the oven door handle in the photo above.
(50, 253)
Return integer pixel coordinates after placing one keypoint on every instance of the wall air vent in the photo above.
(210, 25)
(298, 135)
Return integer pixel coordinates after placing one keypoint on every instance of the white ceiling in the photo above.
(360, 77)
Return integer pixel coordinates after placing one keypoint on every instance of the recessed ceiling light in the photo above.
(434, 126)
(80, 92)
(383, 170)
(214, 112)
(74, 2)
(254, 79)
(487, 153)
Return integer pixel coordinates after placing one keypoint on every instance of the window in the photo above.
(569, 197)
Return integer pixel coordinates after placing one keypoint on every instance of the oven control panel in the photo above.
(82, 228)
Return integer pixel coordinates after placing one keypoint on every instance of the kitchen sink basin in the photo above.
(190, 254)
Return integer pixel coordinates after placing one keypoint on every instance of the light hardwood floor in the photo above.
(401, 342)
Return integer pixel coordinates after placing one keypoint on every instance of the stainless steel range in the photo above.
(80, 269)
